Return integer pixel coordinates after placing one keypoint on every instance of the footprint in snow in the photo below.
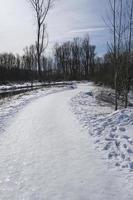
(122, 129)
(114, 129)
(124, 166)
(130, 141)
(130, 151)
(131, 165)
(125, 137)
(125, 146)
(112, 135)
(123, 156)
(117, 164)
(107, 146)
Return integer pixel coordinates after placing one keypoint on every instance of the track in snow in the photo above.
(45, 155)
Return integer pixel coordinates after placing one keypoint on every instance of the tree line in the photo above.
(23, 68)
(71, 60)
(75, 60)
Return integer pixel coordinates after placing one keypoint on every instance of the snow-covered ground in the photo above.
(45, 154)
(10, 106)
(112, 131)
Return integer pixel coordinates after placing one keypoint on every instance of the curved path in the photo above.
(45, 155)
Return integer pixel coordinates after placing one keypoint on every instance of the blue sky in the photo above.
(67, 19)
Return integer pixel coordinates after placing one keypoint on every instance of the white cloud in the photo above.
(91, 29)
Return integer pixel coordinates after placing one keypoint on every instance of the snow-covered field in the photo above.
(46, 154)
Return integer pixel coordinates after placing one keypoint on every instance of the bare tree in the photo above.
(86, 55)
(129, 49)
(116, 27)
(41, 8)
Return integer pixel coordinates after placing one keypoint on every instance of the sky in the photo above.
(66, 20)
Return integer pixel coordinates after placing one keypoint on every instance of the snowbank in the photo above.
(13, 86)
(112, 132)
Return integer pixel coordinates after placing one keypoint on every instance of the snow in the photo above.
(10, 106)
(45, 154)
(13, 85)
(18, 88)
(112, 131)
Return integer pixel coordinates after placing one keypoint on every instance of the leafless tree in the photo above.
(41, 8)
(129, 12)
(75, 59)
(115, 24)
(88, 55)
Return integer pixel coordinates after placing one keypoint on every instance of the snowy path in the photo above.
(45, 155)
